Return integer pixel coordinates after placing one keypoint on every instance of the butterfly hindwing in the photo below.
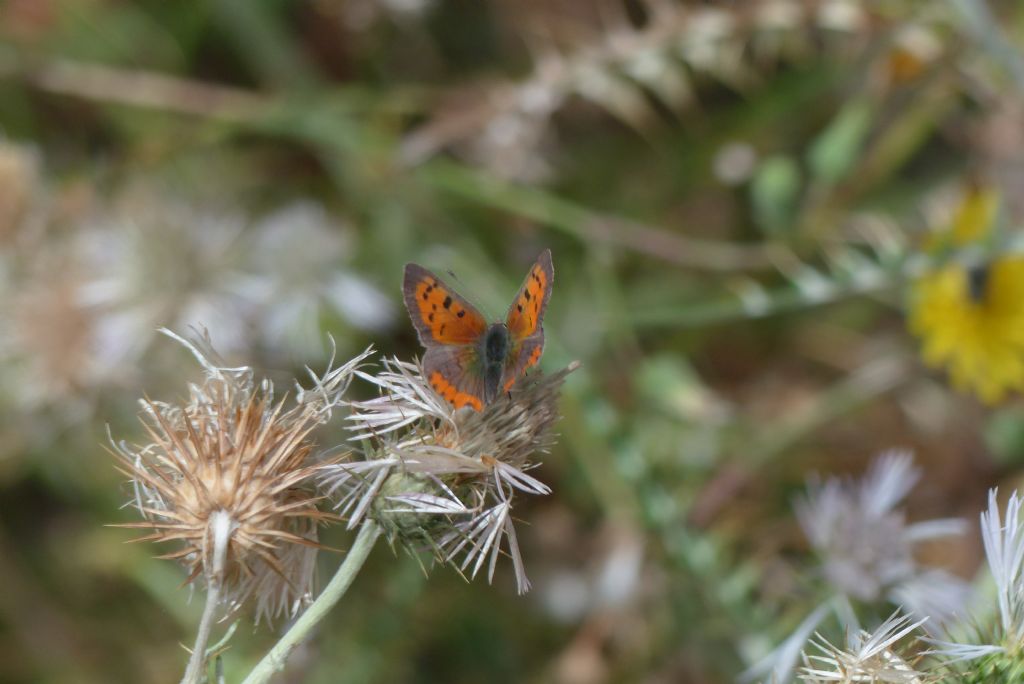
(524, 355)
(453, 373)
(441, 316)
(526, 314)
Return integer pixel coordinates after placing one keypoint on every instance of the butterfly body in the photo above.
(468, 361)
(494, 352)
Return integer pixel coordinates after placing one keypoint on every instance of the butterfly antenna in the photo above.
(457, 279)
(485, 310)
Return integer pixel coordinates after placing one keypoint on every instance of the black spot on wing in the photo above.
(448, 302)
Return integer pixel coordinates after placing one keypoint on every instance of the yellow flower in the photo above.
(971, 322)
(975, 216)
(973, 219)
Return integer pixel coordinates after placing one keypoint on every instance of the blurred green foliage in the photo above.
(731, 338)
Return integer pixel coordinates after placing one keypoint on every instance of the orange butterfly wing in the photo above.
(450, 328)
(525, 319)
(527, 311)
(440, 315)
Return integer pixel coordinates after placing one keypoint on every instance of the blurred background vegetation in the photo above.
(735, 194)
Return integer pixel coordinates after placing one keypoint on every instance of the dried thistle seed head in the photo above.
(232, 451)
(48, 347)
(441, 478)
(515, 426)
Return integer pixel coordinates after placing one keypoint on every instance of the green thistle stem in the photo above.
(275, 658)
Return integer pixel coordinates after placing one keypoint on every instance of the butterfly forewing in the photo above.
(525, 320)
(440, 315)
(526, 314)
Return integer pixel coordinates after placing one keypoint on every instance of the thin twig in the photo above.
(152, 90)
(138, 88)
(106, 84)
(586, 224)
(753, 301)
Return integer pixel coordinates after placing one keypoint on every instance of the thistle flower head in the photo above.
(1004, 549)
(442, 478)
(866, 544)
(152, 258)
(867, 553)
(1001, 644)
(868, 657)
(297, 271)
(231, 467)
(49, 346)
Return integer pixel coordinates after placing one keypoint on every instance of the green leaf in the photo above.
(836, 150)
(774, 191)
(1004, 436)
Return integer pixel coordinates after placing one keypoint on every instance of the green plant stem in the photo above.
(275, 659)
(197, 662)
(582, 223)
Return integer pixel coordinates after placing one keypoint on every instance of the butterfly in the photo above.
(467, 361)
